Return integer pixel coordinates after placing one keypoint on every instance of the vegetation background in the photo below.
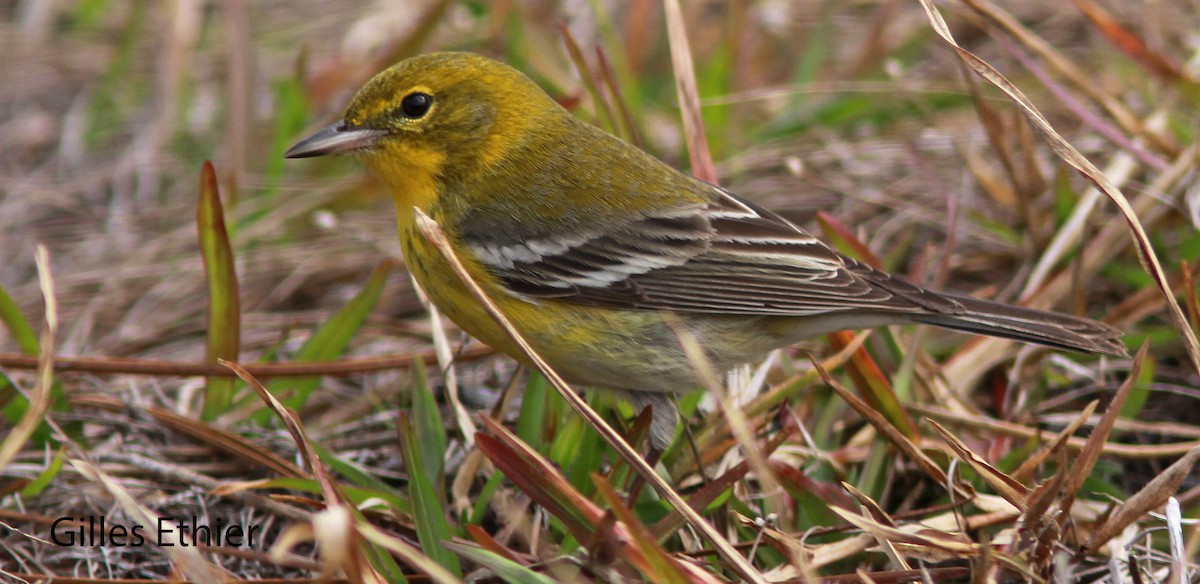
(855, 119)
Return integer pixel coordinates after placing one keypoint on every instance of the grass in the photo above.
(369, 442)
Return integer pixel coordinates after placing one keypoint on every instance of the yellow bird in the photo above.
(587, 243)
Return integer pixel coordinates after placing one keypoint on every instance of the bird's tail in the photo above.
(1052, 329)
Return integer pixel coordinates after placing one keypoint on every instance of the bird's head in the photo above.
(436, 117)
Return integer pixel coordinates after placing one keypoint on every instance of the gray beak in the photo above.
(333, 140)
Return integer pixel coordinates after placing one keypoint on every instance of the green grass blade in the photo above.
(385, 564)
(532, 420)
(39, 483)
(356, 495)
(506, 569)
(429, 512)
(12, 403)
(361, 477)
(224, 306)
(1139, 394)
(289, 122)
(17, 325)
(430, 431)
(329, 341)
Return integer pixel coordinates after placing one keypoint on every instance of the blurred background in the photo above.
(107, 109)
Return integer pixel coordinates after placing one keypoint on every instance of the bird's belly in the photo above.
(637, 350)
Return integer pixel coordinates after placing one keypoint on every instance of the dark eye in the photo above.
(416, 105)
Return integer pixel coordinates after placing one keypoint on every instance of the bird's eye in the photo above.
(415, 105)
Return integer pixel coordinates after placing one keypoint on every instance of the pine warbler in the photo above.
(586, 242)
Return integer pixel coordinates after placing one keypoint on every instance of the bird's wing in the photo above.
(729, 256)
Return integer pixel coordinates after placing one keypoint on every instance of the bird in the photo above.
(599, 253)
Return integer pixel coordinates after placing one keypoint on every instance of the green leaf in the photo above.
(39, 483)
(1011, 461)
(429, 512)
(291, 117)
(532, 420)
(484, 498)
(357, 495)
(329, 341)
(582, 455)
(361, 477)
(16, 324)
(874, 473)
(224, 307)
(384, 563)
(12, 402)
(431, 433)
(506, 569)
(815, 54)
(1139, 394)
(87, 14)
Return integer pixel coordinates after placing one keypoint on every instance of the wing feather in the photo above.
(727, 257)
(733, 257)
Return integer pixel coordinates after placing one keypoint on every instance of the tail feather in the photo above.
(1052, 329)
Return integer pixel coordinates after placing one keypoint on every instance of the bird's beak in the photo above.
(333, 140)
